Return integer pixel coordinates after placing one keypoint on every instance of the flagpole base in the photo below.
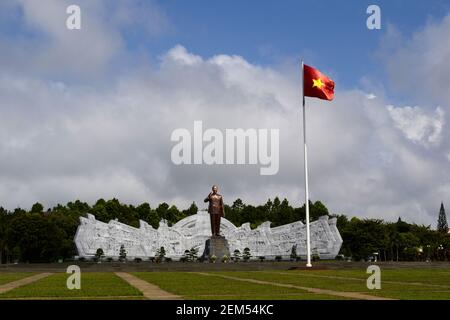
(309, 265)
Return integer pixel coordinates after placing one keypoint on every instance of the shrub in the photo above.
(339, 257)
(236, 255)
(294, 253)
(262, 258)
(278, 258)
(193, 254)
(137, 260)
(213, 259)
(122, 253)
(225, 258)
(246, 255)
(99, 254)
(160, 254)
(185, 256)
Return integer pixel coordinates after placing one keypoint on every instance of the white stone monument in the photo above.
(193, 231)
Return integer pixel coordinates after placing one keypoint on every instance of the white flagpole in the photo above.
(308, 240)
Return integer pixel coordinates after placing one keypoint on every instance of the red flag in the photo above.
(316, 84)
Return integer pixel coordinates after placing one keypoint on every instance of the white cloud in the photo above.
(63, 142)
(57, 50)
(48, 49)
(418, 65)
(144, 16)
(179, 54)
(111, 137)
(417, 125)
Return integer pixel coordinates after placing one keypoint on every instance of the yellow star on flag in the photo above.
(318, 83)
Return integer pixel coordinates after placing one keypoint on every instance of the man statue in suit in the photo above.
(216, 210)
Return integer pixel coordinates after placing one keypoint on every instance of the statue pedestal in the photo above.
(216, 246)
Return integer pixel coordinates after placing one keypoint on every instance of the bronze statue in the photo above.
(216, 210)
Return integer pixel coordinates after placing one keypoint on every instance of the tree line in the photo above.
(39, 235)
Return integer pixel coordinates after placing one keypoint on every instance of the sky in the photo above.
(88, 114)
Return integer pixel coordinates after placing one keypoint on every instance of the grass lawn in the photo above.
(433, 276)
(399, 283)
(197, 286)
(13, 276)
(395, 283)
(93, 285)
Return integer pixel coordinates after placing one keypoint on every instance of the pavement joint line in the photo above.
(352, 295)
(24, 281)
(361, 279)
(149, 290)
(77, 298)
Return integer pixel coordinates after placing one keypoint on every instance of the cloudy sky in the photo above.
(88, 114)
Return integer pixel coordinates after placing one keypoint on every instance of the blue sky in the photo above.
(329, 34)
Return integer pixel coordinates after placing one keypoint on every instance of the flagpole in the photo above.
(308, 240)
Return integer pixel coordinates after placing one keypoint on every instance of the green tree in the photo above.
(99, 254)
(160, 254)
(317, 210)
(162, 211)
(236, 255)
(294, 255)
(402, 226)
(37, 208)
(122, 253)
(186, 256)
(66, 224)
(442, 225)
(193, 254)
(144, 212)
(234, 213)
(173, 215)
(38, 238)
(238, 205)
(246, 254)
(4, 224)
(249, 214)
(341, 221)
(284, 213)
(78, 207)
(362, 237)
(193, 209)
(408, 244)
(16, 254)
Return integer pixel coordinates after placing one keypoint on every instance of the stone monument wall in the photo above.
(193, 231)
